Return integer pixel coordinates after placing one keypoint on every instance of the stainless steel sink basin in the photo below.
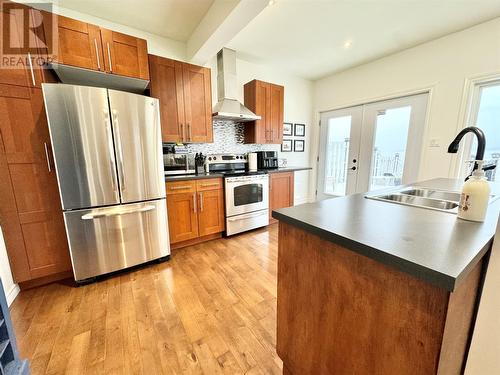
(434, 194)
(432, 199)
(413, 200)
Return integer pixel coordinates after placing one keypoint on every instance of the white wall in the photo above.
(485, 347)
(443, 65)
(11, 290)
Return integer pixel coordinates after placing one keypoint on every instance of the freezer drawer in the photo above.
(104, 240)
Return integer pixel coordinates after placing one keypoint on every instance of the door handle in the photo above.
(201, 202)
(109, 58)
(120, 151)
(47, 156)
(182, 132)
(109, 136)
(31, 69)
(189, 131)
(117, 212)
(97, 54)
(195, 209)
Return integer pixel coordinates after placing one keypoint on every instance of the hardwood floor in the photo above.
(210, 310)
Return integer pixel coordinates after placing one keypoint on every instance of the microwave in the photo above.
(178, 164)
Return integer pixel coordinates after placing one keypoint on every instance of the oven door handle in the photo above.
(248, 216)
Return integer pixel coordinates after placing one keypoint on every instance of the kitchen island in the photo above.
(370, 287)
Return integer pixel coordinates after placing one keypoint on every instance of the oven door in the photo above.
(246, 194)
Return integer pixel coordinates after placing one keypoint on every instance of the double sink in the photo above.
(440, 200)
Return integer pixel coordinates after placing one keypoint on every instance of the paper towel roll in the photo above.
(252, 161)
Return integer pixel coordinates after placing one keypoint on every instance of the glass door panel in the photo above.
(340, 134)
(487, 117)
(388, 156)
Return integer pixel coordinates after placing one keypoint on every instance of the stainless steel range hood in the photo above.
(228, 107)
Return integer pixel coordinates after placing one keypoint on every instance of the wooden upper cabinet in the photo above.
(276, 108)
(88, 46)
(28, 76)
(266, 100)
(197, 103)
(167, 86)
(78, 43)
(124, 54)
(29, 167)
(184, 91)
(281, 191)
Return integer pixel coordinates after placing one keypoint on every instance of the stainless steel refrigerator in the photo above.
(109, 163)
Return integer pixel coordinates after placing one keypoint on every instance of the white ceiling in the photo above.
(306, 37)
(174, 19)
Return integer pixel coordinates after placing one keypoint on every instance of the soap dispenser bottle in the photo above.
(475, 196)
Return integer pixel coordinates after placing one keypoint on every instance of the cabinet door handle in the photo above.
(201, 202)
(179, 187)
(109, 58)
(189, 131)
(194, 203)
(47, 156)
(182, 132)
(97, 54)
(31, 69)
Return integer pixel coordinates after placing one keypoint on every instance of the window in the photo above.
(485, 114)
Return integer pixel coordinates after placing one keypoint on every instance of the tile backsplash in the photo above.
(228, 139)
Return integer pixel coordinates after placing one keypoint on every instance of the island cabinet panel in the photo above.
(342, 313)
(185, 95)
(281, 191)
(195, 211)
(31, 218)
(266, 100)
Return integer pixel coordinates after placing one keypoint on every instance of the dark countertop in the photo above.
(431, 245)
(184, 177)
(288, 169)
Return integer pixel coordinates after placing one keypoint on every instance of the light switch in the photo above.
(435, 142)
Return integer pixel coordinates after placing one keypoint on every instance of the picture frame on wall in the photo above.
(286, 146)
(299, 145)
(287, 128)
(300, 130)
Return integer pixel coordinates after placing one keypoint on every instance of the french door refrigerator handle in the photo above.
(119, 155)
(109, 136)
(115, 212)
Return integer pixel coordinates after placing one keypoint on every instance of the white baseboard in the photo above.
(12, 294)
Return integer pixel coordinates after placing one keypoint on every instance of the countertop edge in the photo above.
(173, 178)
(429, 275)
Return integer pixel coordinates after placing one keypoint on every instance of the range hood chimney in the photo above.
(228, 107)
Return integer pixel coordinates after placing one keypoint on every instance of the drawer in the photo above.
(209, 184)
(181, 187)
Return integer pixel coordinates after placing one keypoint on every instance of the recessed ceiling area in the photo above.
(173, 19)
(312, 38)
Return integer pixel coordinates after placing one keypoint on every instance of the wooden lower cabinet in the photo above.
(195, 210)
(31, 215)
(281, 191)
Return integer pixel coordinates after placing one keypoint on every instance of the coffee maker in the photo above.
(267, 159)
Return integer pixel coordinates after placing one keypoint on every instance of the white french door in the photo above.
(371, 146)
